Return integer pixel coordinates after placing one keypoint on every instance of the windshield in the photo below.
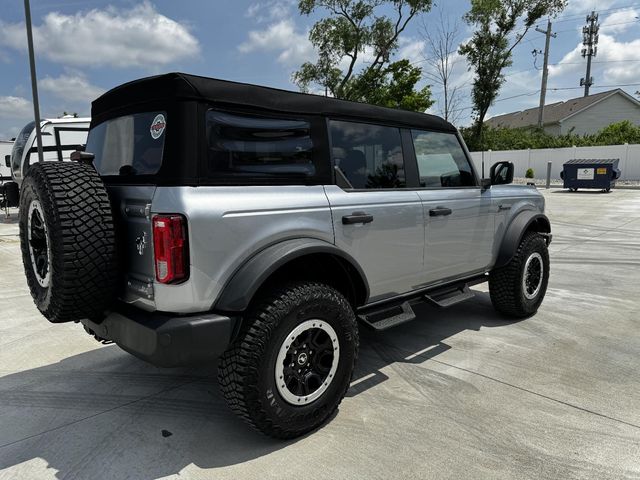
(19, 144)
(129, 145)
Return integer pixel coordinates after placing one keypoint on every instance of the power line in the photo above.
(605, 26)
(574, 17)
(599, 61)
(598, 86)
(555, 89)
(528, 94)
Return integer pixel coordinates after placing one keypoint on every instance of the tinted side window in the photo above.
(370, 156)
(441, 160)
(249, 146)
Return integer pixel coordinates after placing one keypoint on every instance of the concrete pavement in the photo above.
(459, 393)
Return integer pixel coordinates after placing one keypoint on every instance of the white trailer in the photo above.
(5, 170)
(60, 137)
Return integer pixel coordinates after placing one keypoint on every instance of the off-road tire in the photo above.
(506, 286)
(246, 371)
(81, 241)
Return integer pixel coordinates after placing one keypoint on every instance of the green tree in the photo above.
(489, 51)
(351, 29)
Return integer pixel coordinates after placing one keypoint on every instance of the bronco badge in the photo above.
(141, 243)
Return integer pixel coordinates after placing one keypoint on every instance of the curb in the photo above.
(617, 187)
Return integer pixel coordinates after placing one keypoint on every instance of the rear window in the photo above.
(129, 145)
(243, 146)
(369, 156)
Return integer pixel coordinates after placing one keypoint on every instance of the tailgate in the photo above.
(131, 206)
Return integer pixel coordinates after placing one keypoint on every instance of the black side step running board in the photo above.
(450, 297)
(389, 317)
(392, 315)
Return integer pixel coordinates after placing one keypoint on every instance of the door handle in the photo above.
(357, 217)
(439, 212)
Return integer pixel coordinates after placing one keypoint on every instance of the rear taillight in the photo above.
(170, 248)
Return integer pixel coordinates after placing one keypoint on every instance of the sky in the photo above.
(84, 48)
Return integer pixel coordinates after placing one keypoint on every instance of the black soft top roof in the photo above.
(174, 86)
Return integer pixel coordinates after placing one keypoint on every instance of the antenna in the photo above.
(589, 42)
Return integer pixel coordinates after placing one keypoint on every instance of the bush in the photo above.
(529, 173)
(523, 138)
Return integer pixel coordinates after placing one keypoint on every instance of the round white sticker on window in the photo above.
(157, 126)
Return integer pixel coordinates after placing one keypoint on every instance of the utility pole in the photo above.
(34, 81)
(589, 42)
(545, 70)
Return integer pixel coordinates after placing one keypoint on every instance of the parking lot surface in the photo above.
(458, 393)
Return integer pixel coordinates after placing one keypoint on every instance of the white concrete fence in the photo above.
(629, 156)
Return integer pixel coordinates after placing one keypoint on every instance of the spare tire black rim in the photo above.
(532, 276)
(39, 244)
(307, 362)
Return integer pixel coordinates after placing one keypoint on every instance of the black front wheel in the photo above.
(518, 288)
(292, 362)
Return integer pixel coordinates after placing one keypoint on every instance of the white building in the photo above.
(582, 115)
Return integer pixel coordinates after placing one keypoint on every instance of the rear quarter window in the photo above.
(129, 145)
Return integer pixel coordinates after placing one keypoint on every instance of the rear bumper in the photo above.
(167, 340)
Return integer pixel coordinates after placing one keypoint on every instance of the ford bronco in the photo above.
(208, 219)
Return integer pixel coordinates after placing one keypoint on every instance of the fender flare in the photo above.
(247, 279)
(523, 221)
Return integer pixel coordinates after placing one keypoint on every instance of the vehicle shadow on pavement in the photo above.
(419, 340)
(104, 414)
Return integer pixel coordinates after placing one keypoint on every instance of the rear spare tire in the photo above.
(68, 241)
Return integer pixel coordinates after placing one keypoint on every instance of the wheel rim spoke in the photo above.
(307, 362)
(38, 243)
(532, 276)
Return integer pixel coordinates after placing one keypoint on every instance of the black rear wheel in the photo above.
(292, 362)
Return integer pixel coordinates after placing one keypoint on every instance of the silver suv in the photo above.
(208, 219)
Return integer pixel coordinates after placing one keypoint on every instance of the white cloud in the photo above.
(617, 62)
(294, 47)
(411, 49)
(74, 88)
(114, 37)
(619, 22)
(15, 108)
(269, 11)
(575, 7)
(9, 133)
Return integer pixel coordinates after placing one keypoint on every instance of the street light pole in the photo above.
(34, 81)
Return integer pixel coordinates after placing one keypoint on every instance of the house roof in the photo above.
(554, 112)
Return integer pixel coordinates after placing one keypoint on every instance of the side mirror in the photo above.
(7, 160)
(501, 173)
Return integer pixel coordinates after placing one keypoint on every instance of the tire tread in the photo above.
(82, 239)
